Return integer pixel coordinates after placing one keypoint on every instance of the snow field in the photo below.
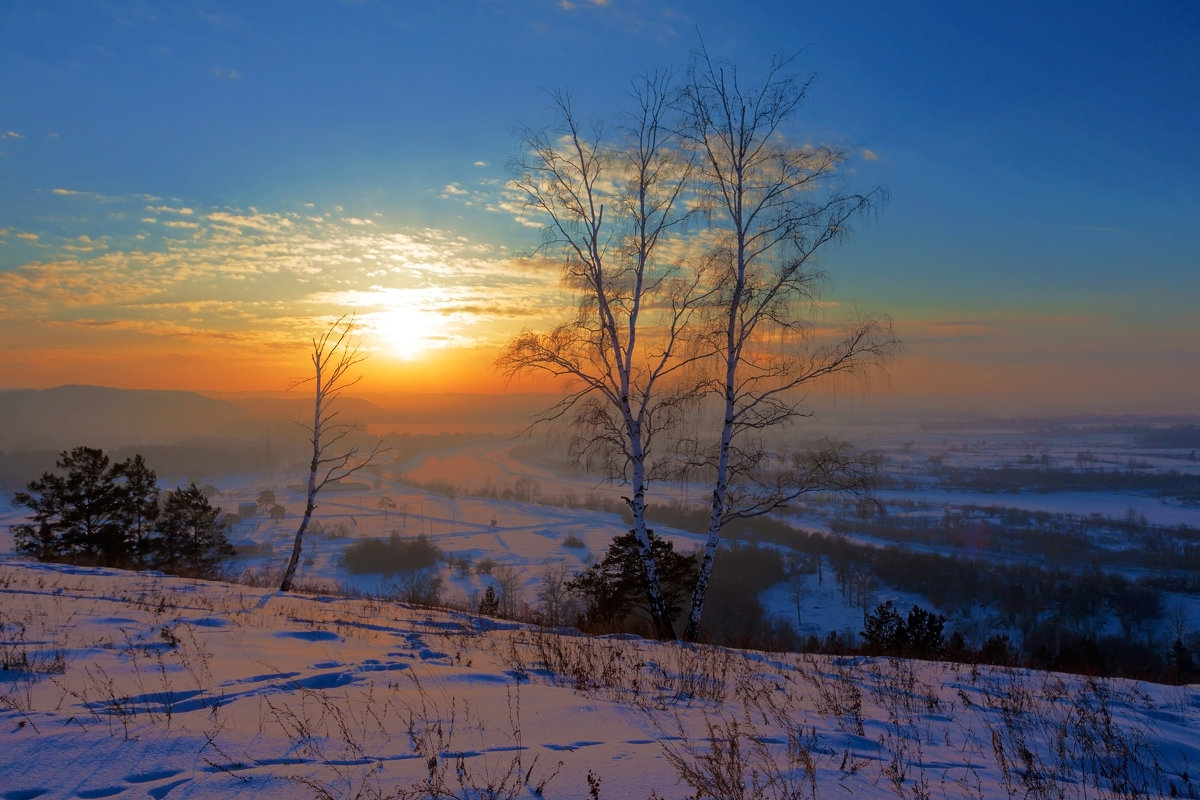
(118, 684)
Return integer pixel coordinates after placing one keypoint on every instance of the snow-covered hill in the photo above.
(119, 684)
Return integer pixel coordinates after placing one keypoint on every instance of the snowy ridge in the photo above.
(119, 684)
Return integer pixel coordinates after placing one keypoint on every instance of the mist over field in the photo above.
(1107, 504)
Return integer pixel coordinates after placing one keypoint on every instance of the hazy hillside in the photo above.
(98, 416)
(298, 405)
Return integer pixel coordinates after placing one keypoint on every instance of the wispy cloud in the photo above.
(259, 270)
(268, 223)
(102, 198)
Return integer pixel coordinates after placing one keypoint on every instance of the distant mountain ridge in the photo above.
(100, 416)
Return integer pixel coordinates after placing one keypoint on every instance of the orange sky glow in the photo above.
(188, 198)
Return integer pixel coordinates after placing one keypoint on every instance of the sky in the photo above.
(190, 191)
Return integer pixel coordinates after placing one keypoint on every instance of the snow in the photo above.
(119, 684)
(130, 685)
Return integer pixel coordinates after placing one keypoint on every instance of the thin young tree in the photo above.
(612, 205)
(334, 455)
(773, 205)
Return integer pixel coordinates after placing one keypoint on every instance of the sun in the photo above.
(407, 333)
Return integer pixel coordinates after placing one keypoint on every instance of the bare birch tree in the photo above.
(773, 206)
(612, 208)
(334, 457)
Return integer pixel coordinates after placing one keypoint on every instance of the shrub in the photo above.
(419, 587)
(391, 556)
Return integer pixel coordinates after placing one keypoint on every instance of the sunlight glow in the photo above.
(407, 333)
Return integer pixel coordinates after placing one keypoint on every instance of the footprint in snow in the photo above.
(310, 636)
(148, 777)
(570, 747)
(159, 792)
(23, 794)
(107, 791)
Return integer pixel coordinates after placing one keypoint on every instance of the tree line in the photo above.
(1013, 479)
(98, 512)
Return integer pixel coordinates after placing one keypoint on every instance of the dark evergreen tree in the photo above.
(77, 516)
(1180, 665)
(137, 496)
(615, 590)
(94, 512)
(884, 630)
(191, 540)
(41, 539)
(924, 633)
(998, 649)
(489, 604)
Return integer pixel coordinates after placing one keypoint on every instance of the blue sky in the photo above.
(175, 172)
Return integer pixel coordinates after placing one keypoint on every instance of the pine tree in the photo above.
(77, 516)
(489, 604)
(137, 499)
(884, 630)
(925, 633)
(615, 588)
(190, 539)
(1180, 664)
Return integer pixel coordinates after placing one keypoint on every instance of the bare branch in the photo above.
(334, 456)
(775, 207)
(614, 207)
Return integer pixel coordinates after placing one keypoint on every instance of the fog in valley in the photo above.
(1047, 537)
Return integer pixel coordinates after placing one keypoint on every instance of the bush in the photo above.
(391, 556)
(419, 587)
